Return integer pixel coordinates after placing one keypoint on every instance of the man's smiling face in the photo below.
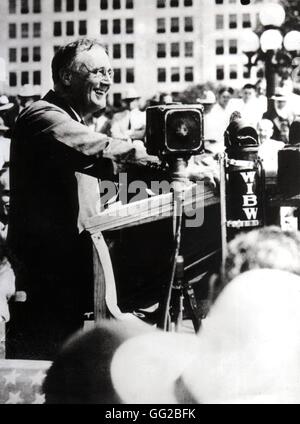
(88, 88)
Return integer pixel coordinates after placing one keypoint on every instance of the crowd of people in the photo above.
(53, 152)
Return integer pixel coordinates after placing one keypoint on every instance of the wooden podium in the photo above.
(145, 231)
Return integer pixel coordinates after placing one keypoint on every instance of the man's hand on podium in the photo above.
(201, 171)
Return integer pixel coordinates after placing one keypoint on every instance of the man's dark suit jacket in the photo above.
(48, 146)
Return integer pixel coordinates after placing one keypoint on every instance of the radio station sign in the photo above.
(244, 197)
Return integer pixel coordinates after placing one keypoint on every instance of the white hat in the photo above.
(28, 90)
(130, 94)
(5, 103)
(280, 94)
(247, 350)
(209, 98)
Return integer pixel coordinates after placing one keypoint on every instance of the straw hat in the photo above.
(131, 94)
(5, 103)
(280, 94)
(81, 371)
(209, 98)
(27, 90)
(247, 350)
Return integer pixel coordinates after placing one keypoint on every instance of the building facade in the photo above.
(154, 45)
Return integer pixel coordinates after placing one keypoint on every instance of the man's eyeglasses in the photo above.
(100, 73)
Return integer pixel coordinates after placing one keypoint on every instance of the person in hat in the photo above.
(131, 122)
(281, 115)
(248, 105)
(4, 144)
(214, 134)
(6, 111)
(5, 104)
(80, 374)
(27, 95)
(247, 351)
(268, 147)
(49, 252)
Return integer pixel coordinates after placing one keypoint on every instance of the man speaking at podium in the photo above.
(50, 145)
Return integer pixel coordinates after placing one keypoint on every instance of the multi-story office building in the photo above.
(154, 45)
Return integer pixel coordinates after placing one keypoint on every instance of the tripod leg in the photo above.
(193, 307)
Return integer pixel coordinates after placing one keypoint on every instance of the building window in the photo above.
(247, 73)
(36, 54)
(129, 26)
(103, 26)
(117, 99)
(12, 79)
(246, 20)
(12, 30)
(116, 26)
(161, 25)
(116, 51)
(117, 75)
(175, 75)
(12, 53)
(103, 4)
(161, 75)
(70, 5)
(220, 72)
(70, 27)
(188, 3)
(174, 3)
(24, 77)
(130, 51)
(219, 1)
(82, 28)
(175, 49)
(161, 3)
(219, 21)
(189, 74)
(36, 29)
(24, 30)
(232, 21)
(57, 29)
(233, 72)
(82, 5)
(57, 5)
(161, 50)
(24, 6)
(36, 77)
(219, 47)
(233, 49)
(36, 6)
(116, 4)
(174, 24)
(24, 54)
(129, 4)
(188, 49)
(56, 48)
(12, 7)
(188, 24)
(130, 75)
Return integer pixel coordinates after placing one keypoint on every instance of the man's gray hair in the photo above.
(65, 55)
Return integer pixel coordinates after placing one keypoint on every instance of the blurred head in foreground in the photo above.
(268, 247)
(247, 351)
